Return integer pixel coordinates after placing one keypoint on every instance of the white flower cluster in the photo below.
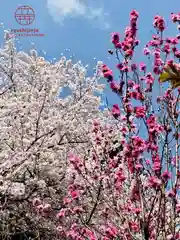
(39, 126)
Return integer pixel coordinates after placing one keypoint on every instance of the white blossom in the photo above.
(39, 127)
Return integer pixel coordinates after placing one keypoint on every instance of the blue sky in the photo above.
(84, 26)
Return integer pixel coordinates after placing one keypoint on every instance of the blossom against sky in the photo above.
(81, 28)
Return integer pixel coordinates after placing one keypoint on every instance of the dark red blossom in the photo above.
(115, 111)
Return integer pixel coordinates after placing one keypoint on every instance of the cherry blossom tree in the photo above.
(38, 128)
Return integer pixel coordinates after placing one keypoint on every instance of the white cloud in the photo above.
(60, 9)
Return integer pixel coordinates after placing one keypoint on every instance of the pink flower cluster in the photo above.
(159, 23)
(130, 41)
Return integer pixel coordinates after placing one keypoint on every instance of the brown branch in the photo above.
(96, 203)
(36, 139)
(1, 93)
(37, 122)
